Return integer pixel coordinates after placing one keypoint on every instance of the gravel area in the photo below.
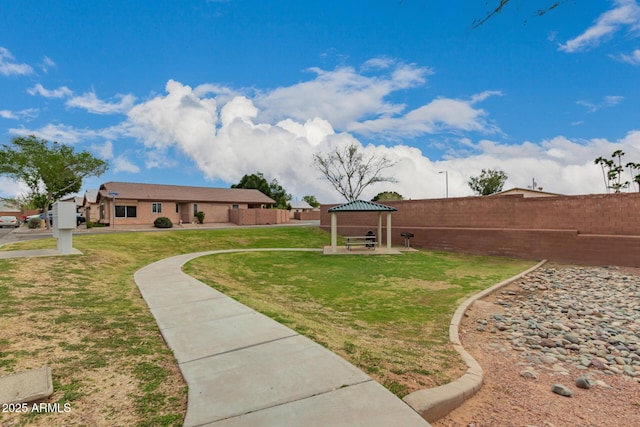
(560, 347)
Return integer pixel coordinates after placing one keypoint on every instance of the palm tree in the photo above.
(632, 168)
(602, 161)
(615, 173)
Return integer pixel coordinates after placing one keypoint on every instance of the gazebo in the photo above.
(360, 206)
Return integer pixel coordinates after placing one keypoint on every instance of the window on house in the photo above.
(195, 209)
(156, 207)
(235, 206)
(126, 212)
(177, 207)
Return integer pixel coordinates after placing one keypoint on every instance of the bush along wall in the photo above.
(162, 222)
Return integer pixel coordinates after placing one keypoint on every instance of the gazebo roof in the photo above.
(362, 206)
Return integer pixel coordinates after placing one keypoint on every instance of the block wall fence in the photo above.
(259, 216)
(602, 229)
(307, 216)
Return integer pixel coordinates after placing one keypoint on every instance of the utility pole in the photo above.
(446, 181)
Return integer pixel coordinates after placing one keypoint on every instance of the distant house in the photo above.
(75, 199)
(9, 208)
(525, 192)
(141, 204)
(300, 206)
(303, 210)
(91, 206)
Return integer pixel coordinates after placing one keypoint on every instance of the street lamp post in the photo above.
(446, 180)
(113, 219)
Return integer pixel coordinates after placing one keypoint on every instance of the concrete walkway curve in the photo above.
(245, 369)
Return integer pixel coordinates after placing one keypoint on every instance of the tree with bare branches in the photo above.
(350, 172)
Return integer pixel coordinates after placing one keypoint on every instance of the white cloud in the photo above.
(633, 59)
(228, 134)
(47, 63)
(607, 101)
(15, 115)
(314, 131)
(90, 102)
(357, 103)
(558, 165)
(342, 96)
(105, 151)
(625, 13)
(60, 92)
(228, 140)
(8, 67)
(379, 63)
(122, 164)
(11, 188)
(613, 100)
(64, 133)
(441, 114)
(6, 114)
(179, 116)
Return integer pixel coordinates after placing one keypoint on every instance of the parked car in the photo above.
(79, 218)
(9, 221)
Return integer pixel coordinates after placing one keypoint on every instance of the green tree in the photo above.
(279, 194)
(490, 181)
(255, 181)
(387, 196)
(350, 172)
(313, 202)
(272, 189)
(49, 169)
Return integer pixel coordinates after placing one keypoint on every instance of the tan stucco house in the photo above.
(141, 204)
(90, 206)
(525, 192)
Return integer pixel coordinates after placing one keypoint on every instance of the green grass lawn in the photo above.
(388, 314)
(83, 315)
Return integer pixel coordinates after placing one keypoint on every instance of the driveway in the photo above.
(4, 231)
(11, 235)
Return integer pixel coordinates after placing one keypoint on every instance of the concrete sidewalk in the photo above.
(245, 369)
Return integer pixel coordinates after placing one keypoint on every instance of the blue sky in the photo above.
(203, 92)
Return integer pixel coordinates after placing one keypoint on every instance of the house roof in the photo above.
(75, 199)
(526, 192)
(181, 193)
(362, 206)
(300, 204)
(91, 196)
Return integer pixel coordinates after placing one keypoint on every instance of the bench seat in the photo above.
(368, 241)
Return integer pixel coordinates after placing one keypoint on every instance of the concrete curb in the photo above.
(435, 403)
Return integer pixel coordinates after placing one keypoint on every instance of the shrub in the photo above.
(162, 222)
(34, 222)
(200, 216)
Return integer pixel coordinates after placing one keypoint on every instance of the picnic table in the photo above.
(368, 241)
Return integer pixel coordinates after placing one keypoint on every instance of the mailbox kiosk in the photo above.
(64, 220)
